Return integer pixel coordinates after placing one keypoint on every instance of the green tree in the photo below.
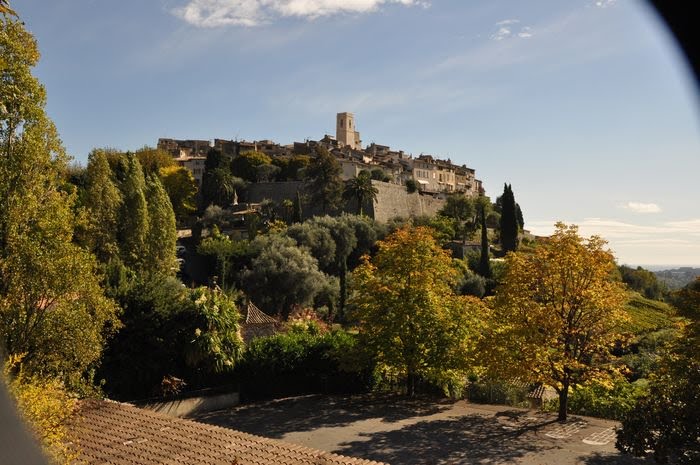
(133, 219)
(361, 189)
(509, 220)
(297, 213)
(325, 185)
(266, 173)
(463, 210)
(519, 217)
(409, 316)
(216, 166)
(102, 202)
(412, 186)
(52, 308)
(665, 422)
(169, 331)
(288, 207)
(222, 248)
(221, 187)
(557, 314)
(153, 160)
(245, 165)
(181, 188)
(291, 169)
(317, 239)
(484, 261)
(162, 232)
(279, 264)
(378, 174)
(643, 281)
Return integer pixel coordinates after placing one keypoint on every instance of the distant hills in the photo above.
(678, 277)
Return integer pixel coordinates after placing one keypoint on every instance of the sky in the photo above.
(586, 107)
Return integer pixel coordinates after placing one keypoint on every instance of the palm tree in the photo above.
(360, 188)
(221, 186)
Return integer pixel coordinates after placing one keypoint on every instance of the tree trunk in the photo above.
(563, 401)
(411, 384)
(343, 290)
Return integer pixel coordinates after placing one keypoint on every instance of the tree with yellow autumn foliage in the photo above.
(557, 314)
(409, 316)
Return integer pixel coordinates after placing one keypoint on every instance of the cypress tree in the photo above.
(102, 202)
(519, 216)
(134, 229)
(509, 221)
(162, 232)
(484, 263)
(297, 214)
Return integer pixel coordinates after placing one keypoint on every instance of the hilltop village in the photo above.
(431, 175)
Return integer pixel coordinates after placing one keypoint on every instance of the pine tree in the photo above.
(509, 221)
(162, 232)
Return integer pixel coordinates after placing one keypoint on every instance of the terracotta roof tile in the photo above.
(256, 316)
(120, 434)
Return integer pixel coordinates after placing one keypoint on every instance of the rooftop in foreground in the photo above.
(114, 433)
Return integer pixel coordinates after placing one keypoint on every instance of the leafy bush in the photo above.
(46, 405)
(169, 330)
(304, 360)
(598, 400)
(488, 391)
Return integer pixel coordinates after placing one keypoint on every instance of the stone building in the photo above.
(345, 132)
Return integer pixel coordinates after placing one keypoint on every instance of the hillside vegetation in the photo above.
(648, 315)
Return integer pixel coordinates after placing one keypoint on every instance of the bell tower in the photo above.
(345, 132)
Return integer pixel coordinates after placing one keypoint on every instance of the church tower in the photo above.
(345, 132)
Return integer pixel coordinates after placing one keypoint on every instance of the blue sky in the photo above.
(585, 106)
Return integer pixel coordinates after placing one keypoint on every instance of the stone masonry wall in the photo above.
(392, 200)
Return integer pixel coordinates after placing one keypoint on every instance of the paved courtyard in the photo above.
(404, 431)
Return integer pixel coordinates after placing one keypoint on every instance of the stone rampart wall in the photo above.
(392, 200)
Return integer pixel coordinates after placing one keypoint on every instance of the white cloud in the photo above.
(216, 13)
(507, 29)
(525, 32)
(604, 3)
(639, 207)
(662, 243)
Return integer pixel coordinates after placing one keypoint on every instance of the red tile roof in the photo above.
(120, 434)
(256, 316)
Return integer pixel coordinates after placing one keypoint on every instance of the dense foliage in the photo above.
(665, 422)
(557, 313)
(509, 220)
(46, 406)
(324, 183)
(303, 360)
(642, 281)
(409, 317)
(52, 308)
(169, 331)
